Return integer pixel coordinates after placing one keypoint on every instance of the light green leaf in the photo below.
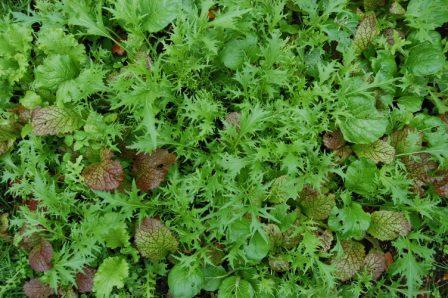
(425, 59)
(427, 14)
(235, 287)
(185, 282)
(363, 123)
(213, 277)
(360, 177)
(351, 221)
(257, 248)
(55, 70)
(110, 275)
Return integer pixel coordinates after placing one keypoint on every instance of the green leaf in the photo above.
(351, 221)
(117, 236)
(360, 177)
(55, 70)
(213, 277)
(363, 124)
(185, 282)
(159, 13)
(425, 59)
(111, 274)
(410, 103)
(235, 52)
(388, 225)
(379, 151)
(428, 14)
(257, 248)
(235, 287)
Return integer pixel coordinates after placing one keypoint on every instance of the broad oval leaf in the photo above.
(235, 287)
(379, 151)
(53, 121)
(351, 260)
(34, 288)
(425, 59)
(257, 248)
(106, 175)
(388, 225)
(185, 282)
(84, 280)
(40, 256)
(360, 177)
(150, 169)
(375, 263)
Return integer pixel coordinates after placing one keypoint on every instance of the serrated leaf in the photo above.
(428, 14)
(379, 151)
(360, 177)
(40, 256)
(84, 280)
(375, 263)
(34, 288)
(388, 225)
(55, 70)
(53, 121)
(351, 260)
(117, 236)
(105, 175)
(154, 240)
(185, 282)
(111, 274)
(150, 169)
(366, 31)
(351, 221)
(326, 239)
(235, 287)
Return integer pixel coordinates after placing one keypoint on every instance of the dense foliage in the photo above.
(231, 148)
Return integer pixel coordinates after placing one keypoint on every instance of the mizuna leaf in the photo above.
(40, 256)
(110, 275)
(150, 169)
(388, 225)
(351, 260)
(379, 151)
(154, 240)
(105, 175)
(351, 221)
(53, 121)
(34, 288)
(366, 31)
(315, 205)
(84, 280)
(375, 263)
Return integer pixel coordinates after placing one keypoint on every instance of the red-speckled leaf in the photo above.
(105, 175)
(154, 240)
(366, 31)
(388, 225)
(53, 121)
(34, 288)
(150, 169)
(40, 256)
(84, 280)
(350, 261)
(375, 263)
